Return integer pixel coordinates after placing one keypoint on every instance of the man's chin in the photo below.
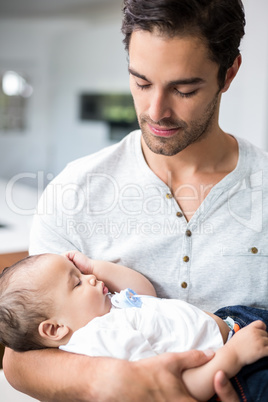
(163, 146)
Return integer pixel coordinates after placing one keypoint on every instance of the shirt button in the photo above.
(169, 195)
(184, 285)
(254, 250)
(186, 258)
(188, 233)
(179, 214)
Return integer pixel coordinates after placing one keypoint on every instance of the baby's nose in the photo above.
(92, 280)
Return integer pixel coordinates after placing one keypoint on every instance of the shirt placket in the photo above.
(186, 250)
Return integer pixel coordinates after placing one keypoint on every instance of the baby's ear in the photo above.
(51, 330)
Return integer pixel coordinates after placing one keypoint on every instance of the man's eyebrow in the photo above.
(188, 81)
(184, 81)
(136, 74)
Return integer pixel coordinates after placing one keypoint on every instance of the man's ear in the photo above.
(51, 330)
(231, 73)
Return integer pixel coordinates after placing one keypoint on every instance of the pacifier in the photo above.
(125, 299)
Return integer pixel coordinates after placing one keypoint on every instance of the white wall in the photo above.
(66, 57)
(63, 58)
(244, 106)
(89, 59)
(24, 47)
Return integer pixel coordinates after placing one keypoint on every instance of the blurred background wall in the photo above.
(245, 105)
(75, 49)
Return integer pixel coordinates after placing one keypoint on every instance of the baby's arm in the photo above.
(116, 277)
(247, 346)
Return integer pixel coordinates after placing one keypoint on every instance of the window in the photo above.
(14, 93)
(116, 109)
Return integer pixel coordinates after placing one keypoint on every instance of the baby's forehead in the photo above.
(51, 260)
(56, 264)
(34, 266)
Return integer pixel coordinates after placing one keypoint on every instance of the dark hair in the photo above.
(21, 309)
(220, 23)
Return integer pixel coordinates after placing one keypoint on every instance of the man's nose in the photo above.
(159, 106)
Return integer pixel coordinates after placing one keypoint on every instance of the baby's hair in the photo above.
(22, 306)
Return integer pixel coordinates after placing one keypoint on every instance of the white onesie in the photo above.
(158, 326)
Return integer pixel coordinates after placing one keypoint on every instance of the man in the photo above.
(173, 203)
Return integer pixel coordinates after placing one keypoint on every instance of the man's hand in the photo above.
(156, 379)
(159, 379)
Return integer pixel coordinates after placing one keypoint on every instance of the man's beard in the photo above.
(187, 134)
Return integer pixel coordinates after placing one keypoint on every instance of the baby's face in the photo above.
(77, 298)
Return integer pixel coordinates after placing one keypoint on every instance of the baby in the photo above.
(46, 301)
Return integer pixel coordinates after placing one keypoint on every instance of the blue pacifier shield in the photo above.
(126, 298)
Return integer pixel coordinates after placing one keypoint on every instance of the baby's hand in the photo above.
(250, 343)
(81, 261)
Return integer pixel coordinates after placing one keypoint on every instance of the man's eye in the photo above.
(145, 86)
(185, 94)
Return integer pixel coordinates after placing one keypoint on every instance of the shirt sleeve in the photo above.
(45, 239)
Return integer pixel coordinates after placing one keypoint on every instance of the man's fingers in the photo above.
(193, 358)
(224, 389)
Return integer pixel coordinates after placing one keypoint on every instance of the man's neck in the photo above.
(191, 174)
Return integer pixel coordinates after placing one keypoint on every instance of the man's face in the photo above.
(76, 298)
(175, 90)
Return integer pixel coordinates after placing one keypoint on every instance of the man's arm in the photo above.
(116, 277)
(53, 375)
(230, 358)
(56, 376)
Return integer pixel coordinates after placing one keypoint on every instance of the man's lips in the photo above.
(163, 132)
